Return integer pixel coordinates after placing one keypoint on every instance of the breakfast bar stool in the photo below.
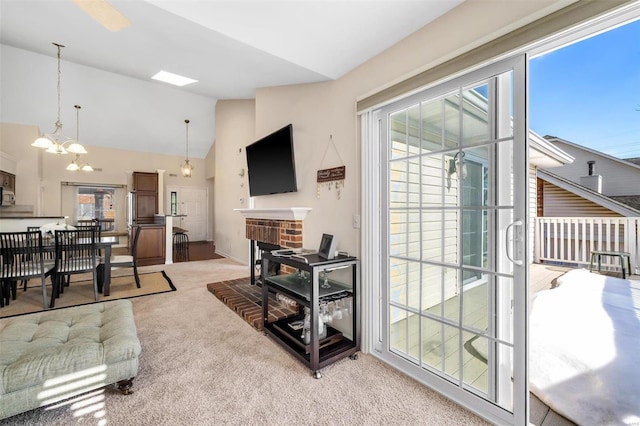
(622, 255)
(180, 247)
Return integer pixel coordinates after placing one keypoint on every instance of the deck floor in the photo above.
(440, 344)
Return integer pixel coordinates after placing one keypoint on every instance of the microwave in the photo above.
(7, 198)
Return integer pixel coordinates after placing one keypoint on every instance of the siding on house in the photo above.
(619, 177)
(533, 209)
(559, 202)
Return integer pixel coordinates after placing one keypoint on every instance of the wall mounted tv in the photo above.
(271, 164)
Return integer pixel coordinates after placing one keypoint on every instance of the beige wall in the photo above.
(235, 129)
(41, 173)
(27, 166)
(322, 109)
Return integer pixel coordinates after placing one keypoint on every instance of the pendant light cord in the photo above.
(58, 123)
(187, 125)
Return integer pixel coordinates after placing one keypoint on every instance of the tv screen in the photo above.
(271, 164)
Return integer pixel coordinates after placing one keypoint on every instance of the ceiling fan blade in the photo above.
(107, 15)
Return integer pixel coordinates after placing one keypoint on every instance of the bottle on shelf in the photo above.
(306, 329)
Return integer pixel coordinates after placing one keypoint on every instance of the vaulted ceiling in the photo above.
(230, 47)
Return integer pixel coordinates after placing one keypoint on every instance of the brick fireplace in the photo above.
(273, 228)
(283, 233)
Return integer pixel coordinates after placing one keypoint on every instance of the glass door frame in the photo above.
(374, 246)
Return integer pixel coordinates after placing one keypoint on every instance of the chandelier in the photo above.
(75, 165)
(56, 142)
(186, 168)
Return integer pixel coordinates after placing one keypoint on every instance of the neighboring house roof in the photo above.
(634, 160)
(544, 154)
(593, 151)
(588, 194)
(632, 201)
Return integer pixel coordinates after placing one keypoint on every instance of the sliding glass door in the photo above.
(453, 294)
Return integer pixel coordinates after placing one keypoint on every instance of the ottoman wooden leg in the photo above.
(124, 386)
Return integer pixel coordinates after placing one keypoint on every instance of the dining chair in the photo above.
(22, 259)
(124, 260)
(75, 253)
(89, 225)
(49, 255)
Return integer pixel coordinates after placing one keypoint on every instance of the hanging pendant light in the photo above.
(186, 168)
(56, 142)
(75, 164)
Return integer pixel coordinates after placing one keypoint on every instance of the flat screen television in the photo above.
(271, 164)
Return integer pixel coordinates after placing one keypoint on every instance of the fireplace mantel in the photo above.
(287, 213)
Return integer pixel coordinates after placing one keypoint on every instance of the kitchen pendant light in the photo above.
(186, 168)
(56, 142)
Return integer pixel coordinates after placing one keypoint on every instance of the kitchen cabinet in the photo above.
(327, 326)
(145, 189)
(8, 181)
(145, 182)
(151, 245)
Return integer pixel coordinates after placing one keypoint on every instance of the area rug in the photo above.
(246, 301)
(584, 340)
(80, 292)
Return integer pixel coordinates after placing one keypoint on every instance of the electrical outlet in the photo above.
(356, 221)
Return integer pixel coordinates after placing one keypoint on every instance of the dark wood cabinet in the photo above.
(145, 187)
(151, 245)
(8, 181)
(146, 207)
(145, 182)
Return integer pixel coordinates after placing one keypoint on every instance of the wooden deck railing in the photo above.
(570, 240)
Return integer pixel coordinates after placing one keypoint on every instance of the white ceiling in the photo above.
(230, 47)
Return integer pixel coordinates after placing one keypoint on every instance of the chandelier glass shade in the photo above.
(187, 168)
(75, 165)
(56, 142)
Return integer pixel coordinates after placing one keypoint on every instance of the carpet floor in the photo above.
(80, 291)
(201, 364)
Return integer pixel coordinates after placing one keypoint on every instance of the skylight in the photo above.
(174, 79)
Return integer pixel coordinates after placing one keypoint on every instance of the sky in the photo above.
(588, 93)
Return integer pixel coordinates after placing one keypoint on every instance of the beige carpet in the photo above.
(80, 291)
(201, 364)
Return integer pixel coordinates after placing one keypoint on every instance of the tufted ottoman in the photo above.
(49, 356)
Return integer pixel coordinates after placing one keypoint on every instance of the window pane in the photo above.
(97, 203)
(432, 235)
(413, 184)
(398, 272)
(452, 351)
(475, 303)
(474, 361)
(398, 196)
(452, 121)
(432, 185)
(431, 289)
(432, 131)
(398, 134)
(475, 120)
(432, 343)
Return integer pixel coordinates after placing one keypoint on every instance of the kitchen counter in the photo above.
(20, 223)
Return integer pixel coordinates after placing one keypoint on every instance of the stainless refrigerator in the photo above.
(131, 209)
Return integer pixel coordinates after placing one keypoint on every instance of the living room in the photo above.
(322, 114)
